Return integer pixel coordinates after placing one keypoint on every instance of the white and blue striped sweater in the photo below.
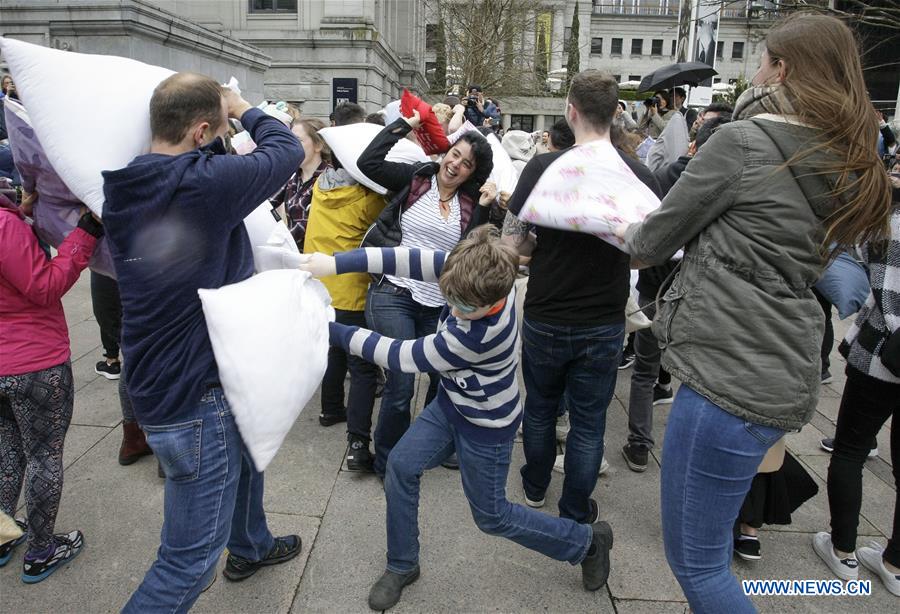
(476, 359)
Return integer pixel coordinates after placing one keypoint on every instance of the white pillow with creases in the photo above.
(348, 142)
(269, 334)
(90, 112)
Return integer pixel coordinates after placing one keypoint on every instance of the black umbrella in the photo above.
(683, 73)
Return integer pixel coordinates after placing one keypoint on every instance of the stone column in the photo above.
(557, 39)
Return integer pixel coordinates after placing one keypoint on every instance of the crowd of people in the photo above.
(757, 202)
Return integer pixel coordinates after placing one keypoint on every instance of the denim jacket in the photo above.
(739, 323)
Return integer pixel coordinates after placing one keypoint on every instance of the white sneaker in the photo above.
(562, 428)
(559, 465)
(535, 504)
(871, 558)
(845, 569)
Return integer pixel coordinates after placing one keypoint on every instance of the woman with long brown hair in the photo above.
(758, 209)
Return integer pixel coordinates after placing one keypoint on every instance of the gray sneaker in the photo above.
(595, 566)
(385, 593)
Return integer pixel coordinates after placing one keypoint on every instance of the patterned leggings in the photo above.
(35, 411)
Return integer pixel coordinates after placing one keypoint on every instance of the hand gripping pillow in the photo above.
(589, 189)
(56, 210)
(430, 134)
(269, 335)
(89, 111)
(348, 142)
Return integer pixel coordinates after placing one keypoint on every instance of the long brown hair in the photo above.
(823, 79)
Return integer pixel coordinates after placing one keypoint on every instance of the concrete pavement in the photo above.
(340, 516)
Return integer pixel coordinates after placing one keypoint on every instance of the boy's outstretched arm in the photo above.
(419, 264)
(430, 354)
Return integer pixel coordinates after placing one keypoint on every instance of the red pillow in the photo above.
(430, 134)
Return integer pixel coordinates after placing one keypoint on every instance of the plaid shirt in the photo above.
(296, 197)
(880, 316)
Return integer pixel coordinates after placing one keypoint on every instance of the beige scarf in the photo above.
(763, 99)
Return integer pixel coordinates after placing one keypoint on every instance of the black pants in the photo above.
(828, 338)
(363, 377)
(866, 405)
(107, 311)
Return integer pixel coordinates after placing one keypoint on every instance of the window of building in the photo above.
(656, 46)
(637, 46)
(549, 120)
(521, 122)
(720, 50)
(430, 67)
(596, 46)
(634, 77)
(732, 81)
(737, 51)
(430, 34)
(715, 79)
(616, 48)
(273, 6)
(618, 78)
(674, 45)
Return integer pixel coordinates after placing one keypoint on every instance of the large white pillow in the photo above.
(90, 112)
(348, 142)
(269, 367)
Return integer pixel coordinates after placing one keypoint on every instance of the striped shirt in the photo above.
(424, 227)
(476, 359)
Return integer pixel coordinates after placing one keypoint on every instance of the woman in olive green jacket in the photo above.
(740, 327)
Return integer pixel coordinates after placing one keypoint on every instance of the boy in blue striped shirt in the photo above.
(475, 413)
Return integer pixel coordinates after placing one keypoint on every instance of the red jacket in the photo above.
(33, 331)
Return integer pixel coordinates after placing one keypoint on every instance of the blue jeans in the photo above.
(709, 460)
(392, 312)
(582, 363)
(483, 468)
(213, 498)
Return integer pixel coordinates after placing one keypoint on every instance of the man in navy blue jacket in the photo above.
(174, 222)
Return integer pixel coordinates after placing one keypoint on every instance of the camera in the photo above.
(471, 101)
(652, 102)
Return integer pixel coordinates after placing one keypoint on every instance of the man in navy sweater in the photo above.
(174, 222)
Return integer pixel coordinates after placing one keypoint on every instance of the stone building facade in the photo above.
(308, 52)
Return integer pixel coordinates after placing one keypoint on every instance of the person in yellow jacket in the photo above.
(340, 214)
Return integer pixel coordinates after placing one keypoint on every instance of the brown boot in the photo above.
(134, 444)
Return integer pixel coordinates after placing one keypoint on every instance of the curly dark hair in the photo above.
(484, 162)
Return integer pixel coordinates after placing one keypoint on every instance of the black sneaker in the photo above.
(332, 418)
(636, 456)
(595, 566)
(827, 378)
(358, 456)
(66, 548)
(6, 548)
(594, 514)
(451, 462)
(109, 371)
(238, 568)
(747, 548)
(662, 395)
(385, 593)
(627, 359)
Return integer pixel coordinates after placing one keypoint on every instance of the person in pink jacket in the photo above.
(36, 390)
